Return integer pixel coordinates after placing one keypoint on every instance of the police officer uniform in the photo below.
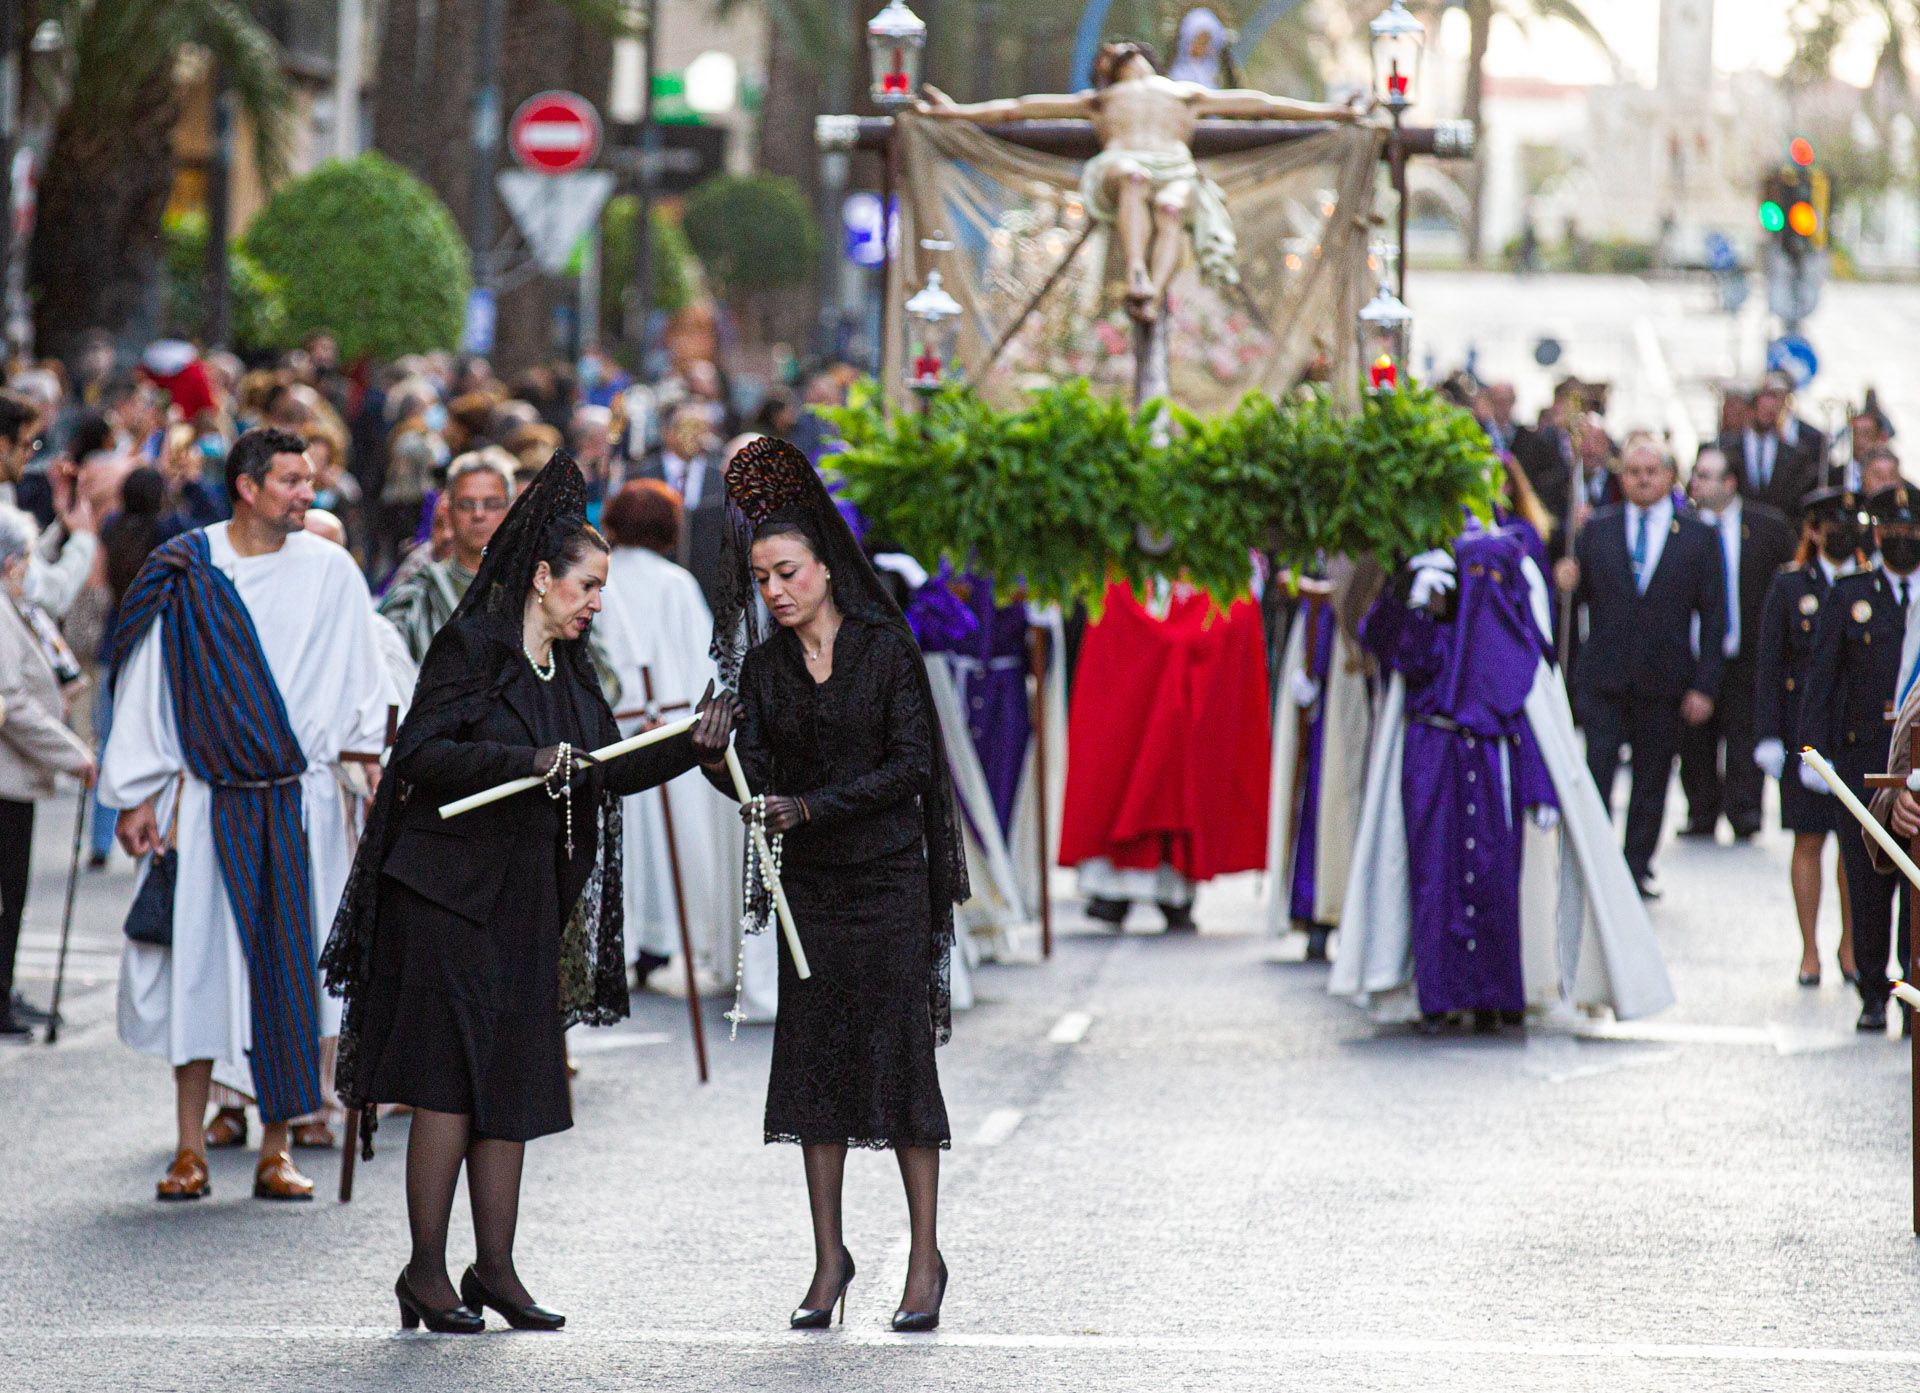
(1783, 654)
(1853, 675)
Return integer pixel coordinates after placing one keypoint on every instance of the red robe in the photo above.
(1168, 739)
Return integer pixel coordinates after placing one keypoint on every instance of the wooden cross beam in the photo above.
(1895, 781)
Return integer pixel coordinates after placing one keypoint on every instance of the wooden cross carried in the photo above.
(1896, 781)
(653, 712)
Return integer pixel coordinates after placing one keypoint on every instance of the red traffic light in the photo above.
(1800, 150)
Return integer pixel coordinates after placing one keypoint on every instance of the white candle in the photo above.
(765, 855)
(1907, 994)
(605, 752)
(1815, 761)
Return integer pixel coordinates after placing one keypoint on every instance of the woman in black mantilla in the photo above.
(837, 731)
(466, 947)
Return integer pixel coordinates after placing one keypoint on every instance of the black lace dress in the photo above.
(853, 1046)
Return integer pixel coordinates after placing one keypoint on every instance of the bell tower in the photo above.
(1686, 48)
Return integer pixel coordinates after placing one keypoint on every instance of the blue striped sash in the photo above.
(236, 738)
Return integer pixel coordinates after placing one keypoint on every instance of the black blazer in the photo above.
(1767, 543)
(1642, 645)
(1796, 471)
(1853, 674)
(467, 863)
(1783, 649)
(702, 529)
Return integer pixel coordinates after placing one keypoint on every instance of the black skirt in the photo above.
(457, 1042)
(853, 1044)
(1801, 809)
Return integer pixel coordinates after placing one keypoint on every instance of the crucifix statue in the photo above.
(1145, 181)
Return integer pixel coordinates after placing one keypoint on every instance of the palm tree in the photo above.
(1480, 17)
(114, 96)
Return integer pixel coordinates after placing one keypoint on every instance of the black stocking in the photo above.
(493, 1186)
(920, 1173)
(436, 1144)
(826, 1164)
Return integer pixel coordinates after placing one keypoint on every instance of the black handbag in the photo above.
(150, 916)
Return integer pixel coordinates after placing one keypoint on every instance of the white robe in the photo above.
(1343, 764)
(654, 615)
(310, 607)
(1585, 941)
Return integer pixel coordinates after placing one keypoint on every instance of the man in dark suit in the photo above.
(1755, 543)
(1862, 660)
(1649, 579)
(1777, 458)
(686, 464)
(1538, 456)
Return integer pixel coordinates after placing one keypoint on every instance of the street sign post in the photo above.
(553, 212)
(477, 336)
(554, 133)
(1795, 357)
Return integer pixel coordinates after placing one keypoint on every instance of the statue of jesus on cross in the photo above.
(1145, 180)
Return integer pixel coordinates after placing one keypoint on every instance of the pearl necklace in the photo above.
(553, 662)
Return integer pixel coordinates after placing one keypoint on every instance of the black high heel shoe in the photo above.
(809, 1318)
(476, 1294)
(916, 1322)
(455, 1320)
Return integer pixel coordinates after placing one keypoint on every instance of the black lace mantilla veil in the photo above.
(770, 479)
(466, 669)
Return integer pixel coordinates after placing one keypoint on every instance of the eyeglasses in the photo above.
(476, 506)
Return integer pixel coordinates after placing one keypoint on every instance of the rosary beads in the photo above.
(751, 923)
(559, 785)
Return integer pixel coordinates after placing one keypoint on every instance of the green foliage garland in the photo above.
(363, 248)
(1071, 490)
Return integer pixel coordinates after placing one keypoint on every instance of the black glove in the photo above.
(719, 713)
(544, 757)
(784, 813)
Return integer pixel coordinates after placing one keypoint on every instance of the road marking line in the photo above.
(1070, 1029)
(1334, 1345)
(998, 1126)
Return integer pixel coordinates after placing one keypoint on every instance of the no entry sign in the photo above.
(555, 133)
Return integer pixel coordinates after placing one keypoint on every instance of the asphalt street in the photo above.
(1177, 1165)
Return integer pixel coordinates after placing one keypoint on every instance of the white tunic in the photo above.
(654, 615)
(311, 609)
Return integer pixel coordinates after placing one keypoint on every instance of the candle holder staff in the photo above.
(838, 733)
(466, 945)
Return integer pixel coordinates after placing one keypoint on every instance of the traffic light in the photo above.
(1796, 201)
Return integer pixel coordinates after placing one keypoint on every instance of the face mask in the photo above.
(1837, 544)
(1902, 554)
(436, 417)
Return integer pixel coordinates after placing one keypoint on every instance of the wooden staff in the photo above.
(679, 896)
(350, 1133)
(1038, 645)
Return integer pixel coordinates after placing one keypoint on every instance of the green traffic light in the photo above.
(1772, 216)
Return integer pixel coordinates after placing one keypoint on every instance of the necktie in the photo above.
(1640, 552)
(1733, 586)
(1768, 445)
